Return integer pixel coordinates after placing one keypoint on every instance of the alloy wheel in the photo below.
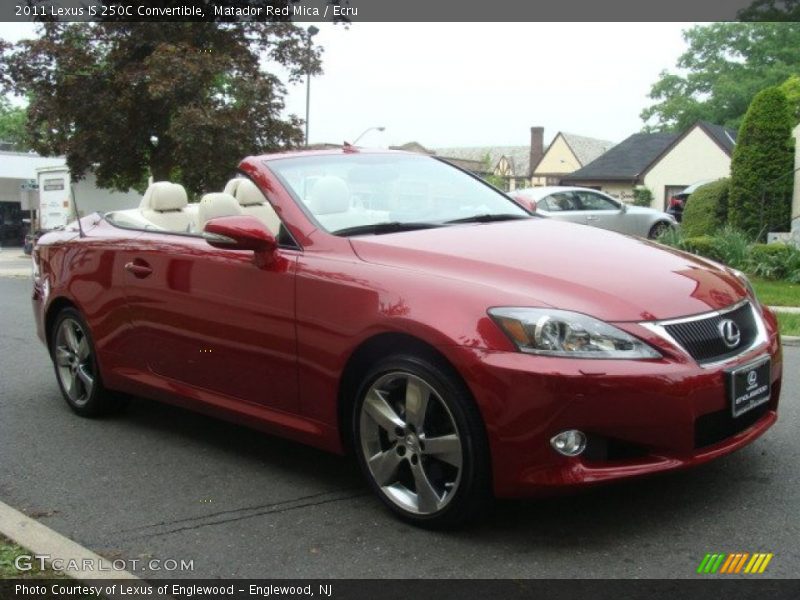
(74, 362)
(410, 443)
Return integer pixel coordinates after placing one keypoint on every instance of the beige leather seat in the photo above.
(163, 205)
(253, 202)
(216, 205)
(329, 202)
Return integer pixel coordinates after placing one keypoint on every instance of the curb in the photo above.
(43, 541)
(790, 340)
(785, 309)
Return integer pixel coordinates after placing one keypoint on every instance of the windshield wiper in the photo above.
(390, 227)
(489, 218)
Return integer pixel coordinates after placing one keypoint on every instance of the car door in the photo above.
(213, 320)
(601, 211)
(563, 206)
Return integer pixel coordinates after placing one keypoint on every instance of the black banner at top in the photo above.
(397, 10)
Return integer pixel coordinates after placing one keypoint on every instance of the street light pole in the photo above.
(312, 31)
(366, 131)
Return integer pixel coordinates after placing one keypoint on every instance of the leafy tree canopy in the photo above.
(771, 10)
(183, 101)
(761, 167)
(791, 87)
(725, 66)
(12, 125)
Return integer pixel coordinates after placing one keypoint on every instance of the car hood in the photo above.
(541, 262)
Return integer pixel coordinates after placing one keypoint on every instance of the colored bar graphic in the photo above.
(733, 563)
(703, 563)
(728, 563)
(741, 562)
(766, 562)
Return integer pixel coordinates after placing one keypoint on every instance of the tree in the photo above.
(12, 125)
(182, 101)
(724, 67)
(791, 87)
(771, 10)
(761, 168)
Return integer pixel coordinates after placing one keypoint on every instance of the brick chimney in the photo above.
(537, 148)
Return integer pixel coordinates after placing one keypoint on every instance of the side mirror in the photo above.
(527, 203)
(623, 208)
(239, 233)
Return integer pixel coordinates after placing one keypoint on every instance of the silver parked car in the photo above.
(590, 207)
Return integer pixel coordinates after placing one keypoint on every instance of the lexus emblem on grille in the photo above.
(730, 333)
(752, 380)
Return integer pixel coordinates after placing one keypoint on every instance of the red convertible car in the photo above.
(393, 306)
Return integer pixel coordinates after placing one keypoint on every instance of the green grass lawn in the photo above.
(789, 323)
(9, 551)
(776, 293)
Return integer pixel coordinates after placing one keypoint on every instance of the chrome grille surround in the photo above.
(703, 321)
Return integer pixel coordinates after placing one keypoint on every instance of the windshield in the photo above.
(351, 194)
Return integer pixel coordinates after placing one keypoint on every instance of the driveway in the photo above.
(162, 482)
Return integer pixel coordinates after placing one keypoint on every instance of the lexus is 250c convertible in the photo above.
(393, 306)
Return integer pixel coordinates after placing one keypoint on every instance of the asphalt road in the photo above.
(165, 483)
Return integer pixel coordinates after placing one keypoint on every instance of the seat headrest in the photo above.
(163, 196)
(329, 195)
(216, 205)
(245, 191)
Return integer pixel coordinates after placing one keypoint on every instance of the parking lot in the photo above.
(161, 482)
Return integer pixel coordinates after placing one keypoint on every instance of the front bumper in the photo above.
(641, 417)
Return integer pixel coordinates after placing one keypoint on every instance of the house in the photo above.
(664, 163)
(566, 154)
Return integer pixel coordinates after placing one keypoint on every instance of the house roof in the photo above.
(584, 148)
(627, 160)
(725, 137)
(518, 156)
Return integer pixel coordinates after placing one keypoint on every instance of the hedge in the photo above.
(706, 209)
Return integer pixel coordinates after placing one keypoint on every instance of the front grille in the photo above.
(703, 340)
(718, 426)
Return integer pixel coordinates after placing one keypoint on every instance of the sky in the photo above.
(478, 84)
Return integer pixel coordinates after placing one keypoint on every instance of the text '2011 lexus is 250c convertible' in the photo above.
(395, 307)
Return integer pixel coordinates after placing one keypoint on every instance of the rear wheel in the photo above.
(657, 229)
(421, 443)
(75, 363)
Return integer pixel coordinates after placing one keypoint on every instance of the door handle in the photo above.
(590, 218)
(139, 268)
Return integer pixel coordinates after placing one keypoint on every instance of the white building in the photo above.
(19, 176)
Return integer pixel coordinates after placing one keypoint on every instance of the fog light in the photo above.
(569, 443)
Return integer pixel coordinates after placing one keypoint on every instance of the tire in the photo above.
(657, 229)
(431, 484)
(77, 373)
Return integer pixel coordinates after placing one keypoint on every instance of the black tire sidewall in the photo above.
(98, 402)
(474, 488)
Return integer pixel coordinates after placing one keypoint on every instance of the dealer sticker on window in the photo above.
(749, 386)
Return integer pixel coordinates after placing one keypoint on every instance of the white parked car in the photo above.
(590, 207)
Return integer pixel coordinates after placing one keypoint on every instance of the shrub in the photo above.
(774, 261)
(704, 245)
(642, 196)
(731, 247)
(762, 160)
(706, 209)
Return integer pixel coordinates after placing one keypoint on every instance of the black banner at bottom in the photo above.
(398, 589)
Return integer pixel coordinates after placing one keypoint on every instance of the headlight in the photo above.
(745, 282)
(554, 332)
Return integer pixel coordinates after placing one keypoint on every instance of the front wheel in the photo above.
(658, 229)
(75, 363)
(421, 443)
